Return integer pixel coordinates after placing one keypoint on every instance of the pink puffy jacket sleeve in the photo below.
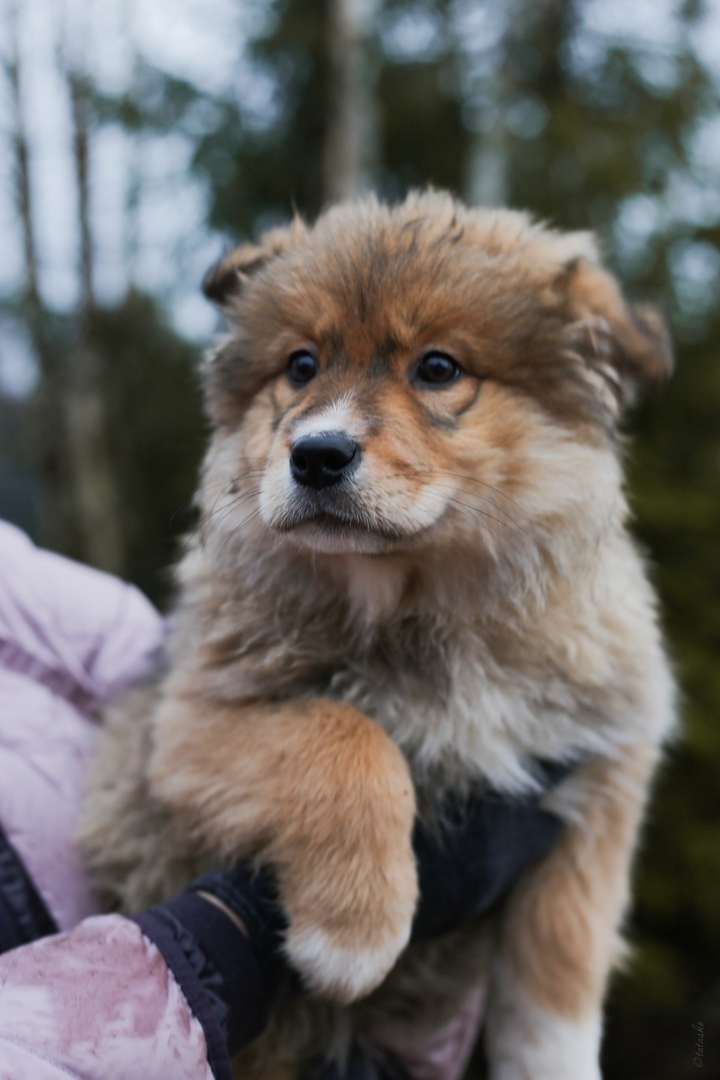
(69, 638)
(96, 1002)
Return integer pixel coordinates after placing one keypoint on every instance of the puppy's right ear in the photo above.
(225, 279)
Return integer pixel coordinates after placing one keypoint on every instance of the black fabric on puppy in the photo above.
(482, 846)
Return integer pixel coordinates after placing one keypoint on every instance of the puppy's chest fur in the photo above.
(469, 706)
(461, 716)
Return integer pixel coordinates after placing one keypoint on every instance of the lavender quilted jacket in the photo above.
(93, 998)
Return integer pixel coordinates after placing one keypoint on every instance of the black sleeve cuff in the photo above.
(24, 916)
(217, 970)
(253, 896)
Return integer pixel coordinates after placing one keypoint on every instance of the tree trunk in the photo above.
(95, 493)
(489, 165)
(81, 512)
(58, 527)
(488, 175)
(351, 144)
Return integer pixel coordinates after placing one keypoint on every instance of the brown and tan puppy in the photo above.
(413, 574)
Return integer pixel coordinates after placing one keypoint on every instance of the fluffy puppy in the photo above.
(413, 574)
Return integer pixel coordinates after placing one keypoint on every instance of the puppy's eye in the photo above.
(302, 367)
(436, 369)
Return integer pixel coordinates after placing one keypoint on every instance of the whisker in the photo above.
(475, 510)
(225, 485)
(236, 530)
(475, 480)
(443, 490)
(483, 513)
(500, 509)
(184, 509)
(222, 511)
(472, 514)
(219, 515)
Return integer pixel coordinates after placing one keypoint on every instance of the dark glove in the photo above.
(231, 977)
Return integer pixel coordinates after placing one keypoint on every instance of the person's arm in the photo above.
(175, 991)
(179, 989)
(70, 637)
(97, 1002)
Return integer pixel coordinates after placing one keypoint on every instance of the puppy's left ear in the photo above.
(622, 344)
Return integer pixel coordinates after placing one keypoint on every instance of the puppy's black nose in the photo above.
(317, 461)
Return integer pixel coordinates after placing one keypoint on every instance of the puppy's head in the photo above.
(420, 376)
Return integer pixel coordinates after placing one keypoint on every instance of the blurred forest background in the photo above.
(137, 139)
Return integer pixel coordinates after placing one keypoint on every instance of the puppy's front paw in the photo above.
(343, 973)
(345, 942)
(342, 852)
(319, 793)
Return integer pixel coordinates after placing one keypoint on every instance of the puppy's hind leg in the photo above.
(559, 936)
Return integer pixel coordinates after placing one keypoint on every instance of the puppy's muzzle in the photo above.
(319, 461)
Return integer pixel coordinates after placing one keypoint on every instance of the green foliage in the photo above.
(423, 137)
(155, 433)
(258, 168)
